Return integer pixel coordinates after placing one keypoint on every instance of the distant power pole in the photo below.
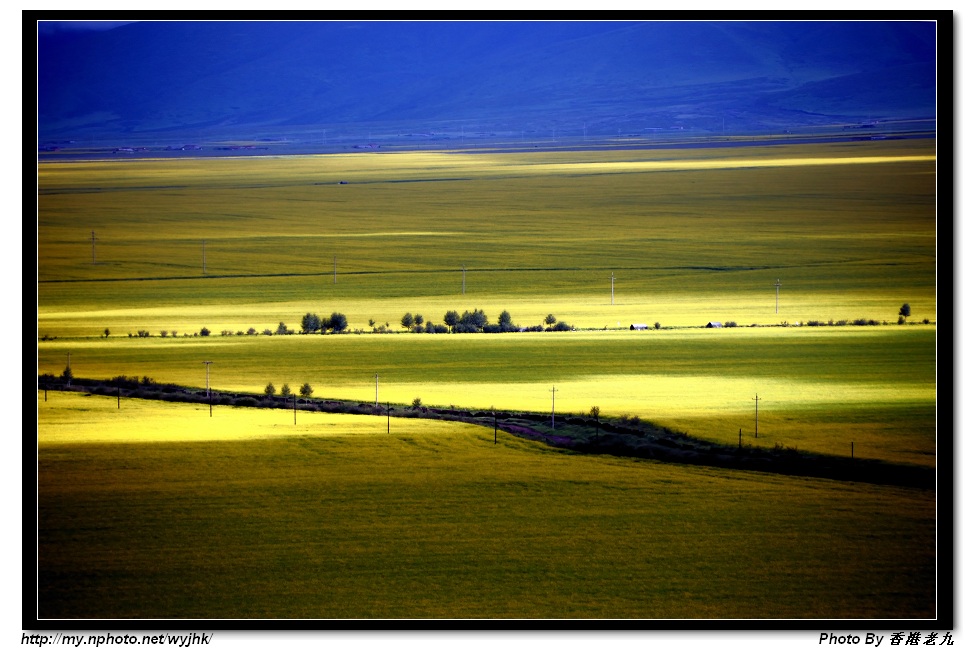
(209, 397)
(463, 282)
(204, 257)
(612, 288)
(335, 270)
(777, 285)
(553, 406)
(207, 363)
(92, 246)
(756, 398)
(377, 389)
(495, 414)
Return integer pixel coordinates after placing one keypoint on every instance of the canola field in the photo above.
(157, 510)
(600, 239)
(331, 517)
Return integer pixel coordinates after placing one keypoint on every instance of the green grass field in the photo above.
(688, 236)
(820, 388)
(157, 510)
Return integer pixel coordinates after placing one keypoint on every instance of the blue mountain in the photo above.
(242, 79)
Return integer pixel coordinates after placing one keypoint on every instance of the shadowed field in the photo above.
(333, 518)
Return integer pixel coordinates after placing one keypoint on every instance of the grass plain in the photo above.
(157, 510)
(820, 388)
(687, 236)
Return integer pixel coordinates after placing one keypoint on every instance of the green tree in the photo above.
(418, 320)
(269, 390)
(407, 320)
(338, 322)
(107, 333)
(67, 375)
(905, 310)
(204, 332)
(550, 319)
(306, 390)
(310, 323)
(285, 390)
(505, 322)
(451, 318)
(283, 329)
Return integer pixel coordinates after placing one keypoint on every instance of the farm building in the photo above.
(639, 326)
(713, 324)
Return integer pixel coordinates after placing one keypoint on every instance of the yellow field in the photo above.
(72, 418)
(159, 511)
(599, 239)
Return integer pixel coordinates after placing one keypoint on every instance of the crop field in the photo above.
(819, 388)
(157, 510)
(673, 239)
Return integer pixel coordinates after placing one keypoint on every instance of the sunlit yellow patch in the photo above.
(75, 418)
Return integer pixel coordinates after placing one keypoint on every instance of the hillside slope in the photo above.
(238, 77)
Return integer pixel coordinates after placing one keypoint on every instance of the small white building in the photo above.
(639, 326)
(713, 324)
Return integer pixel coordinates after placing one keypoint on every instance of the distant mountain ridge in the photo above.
(246, 78)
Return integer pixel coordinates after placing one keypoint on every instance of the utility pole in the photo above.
(204, 257)
(377, 390)
(463, 282)
(93, 246)
(612, 288)
(295, 407)
(387, 418)
(777, 285)
(335, 270)
(756, 398)
(207, 363)
(495, 414)
(553, 407)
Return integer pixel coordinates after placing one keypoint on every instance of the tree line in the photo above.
(475, 322)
